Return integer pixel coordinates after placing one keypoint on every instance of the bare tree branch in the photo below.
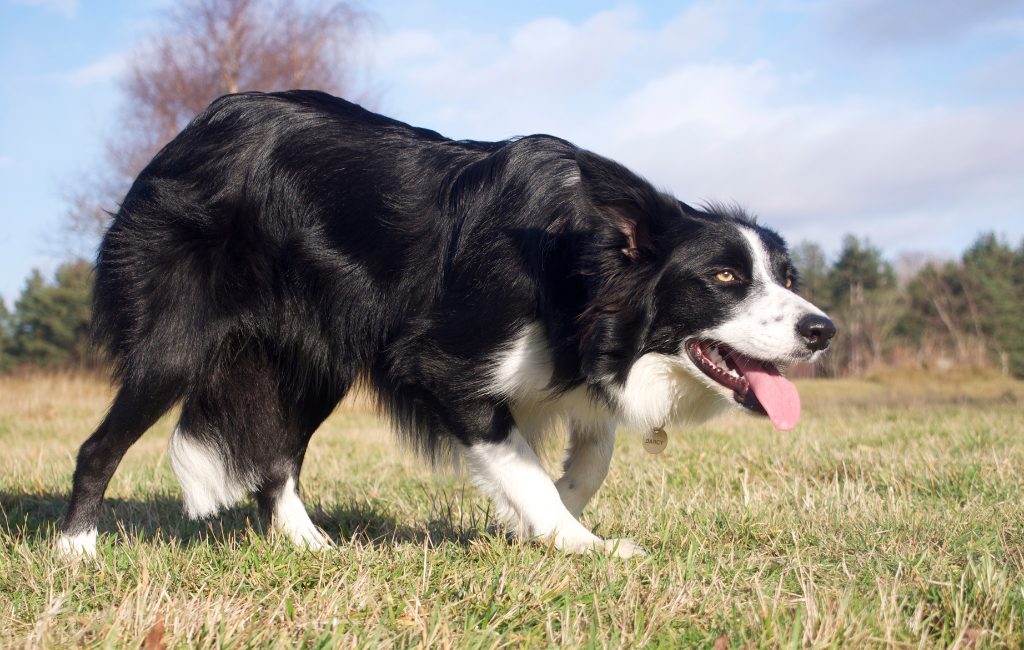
(205, 49)
(939, 292)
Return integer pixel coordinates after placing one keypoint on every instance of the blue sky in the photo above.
(898, 120)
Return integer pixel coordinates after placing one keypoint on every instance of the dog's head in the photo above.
(709, 290)
(754, 324)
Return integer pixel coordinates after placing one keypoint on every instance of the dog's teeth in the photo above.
(721, 364)
(714, 355)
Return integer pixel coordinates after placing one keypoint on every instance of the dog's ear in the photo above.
(629, 220)
(622, 201)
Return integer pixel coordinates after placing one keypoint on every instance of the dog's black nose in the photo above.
(817, 331)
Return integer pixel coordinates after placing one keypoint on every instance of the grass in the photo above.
(892, 516)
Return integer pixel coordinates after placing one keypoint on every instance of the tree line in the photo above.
(925, 313)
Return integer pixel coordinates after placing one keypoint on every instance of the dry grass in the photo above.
(891, 517)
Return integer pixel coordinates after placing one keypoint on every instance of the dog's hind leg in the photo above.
(586, 464)
(240, 434)
(282, 509)
(221, 459)
(303, 410)
(132, 413)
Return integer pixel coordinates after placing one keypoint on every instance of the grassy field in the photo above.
(892, 516)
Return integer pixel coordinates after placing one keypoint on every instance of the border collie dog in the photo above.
(285, 246)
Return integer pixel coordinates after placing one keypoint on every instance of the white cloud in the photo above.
(998, 75)
(1013, 26)
(699, 27)
(403, 45)
(109, 67)
(548, 72)
(66, 8)
(875, 23)
(822, 170)
(544, 56)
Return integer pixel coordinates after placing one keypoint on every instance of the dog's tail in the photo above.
(174, 284)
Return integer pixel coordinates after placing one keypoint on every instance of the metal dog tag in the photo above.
(655, 441)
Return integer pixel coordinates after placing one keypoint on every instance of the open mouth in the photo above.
(757, 385)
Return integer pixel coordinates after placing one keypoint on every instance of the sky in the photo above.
(900, 121)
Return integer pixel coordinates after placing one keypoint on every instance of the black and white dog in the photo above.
(285, 246)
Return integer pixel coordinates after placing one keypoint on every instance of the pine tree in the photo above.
(865, 303)
(995, 275)
(6, 342)
(50, 324)
(813, 270)
(860, 267)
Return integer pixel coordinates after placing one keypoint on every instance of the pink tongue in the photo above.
(777, 394)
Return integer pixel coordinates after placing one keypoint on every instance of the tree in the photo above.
(860, 267)
(813, 269)
(995, 275)
(972, 307)
(209, 48)
(865, 301)
(51, 321)
(955, 305)
(6, 340)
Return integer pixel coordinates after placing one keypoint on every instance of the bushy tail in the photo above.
(168, 290)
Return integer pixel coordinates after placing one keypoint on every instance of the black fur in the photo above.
(286, 245)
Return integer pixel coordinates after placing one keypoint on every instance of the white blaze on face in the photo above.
(763, 326)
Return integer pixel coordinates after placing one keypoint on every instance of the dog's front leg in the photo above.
(586, 463)
(510, 473)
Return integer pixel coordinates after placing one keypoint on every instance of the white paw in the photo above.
(308, 537)
(623, 547)
(291, 520)
(613, 547)
(74, 547)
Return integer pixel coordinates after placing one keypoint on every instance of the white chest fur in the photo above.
(660, 389)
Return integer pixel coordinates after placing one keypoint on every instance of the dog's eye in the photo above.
(789, 283)
(726, 276)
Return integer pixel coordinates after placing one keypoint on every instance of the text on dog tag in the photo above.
(655, 441)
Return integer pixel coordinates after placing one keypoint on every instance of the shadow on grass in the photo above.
(372, 522)
(34, 516)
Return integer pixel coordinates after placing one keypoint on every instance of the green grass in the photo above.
(892, 516)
